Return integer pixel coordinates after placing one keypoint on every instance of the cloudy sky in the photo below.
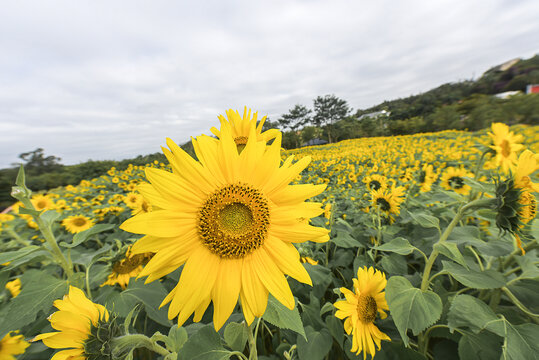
(111, 79)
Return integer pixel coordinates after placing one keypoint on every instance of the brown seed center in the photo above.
(366, 308)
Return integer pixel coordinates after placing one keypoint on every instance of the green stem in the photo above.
(126, 343)
(517, 302)
(253, 355)
(460, 213)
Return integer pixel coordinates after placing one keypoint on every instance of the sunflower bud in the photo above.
(99, 342)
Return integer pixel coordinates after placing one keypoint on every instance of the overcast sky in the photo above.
(111, 79)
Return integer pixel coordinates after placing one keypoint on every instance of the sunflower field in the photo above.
(406, 247)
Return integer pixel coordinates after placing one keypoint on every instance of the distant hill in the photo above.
(512, 75)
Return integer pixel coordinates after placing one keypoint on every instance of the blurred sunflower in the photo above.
(360, 309)
(124, 269)
(42, 202)
(77, 223)
(231, 219)
(388, 201)
(427, 177)
(506, 144)
(12, 344)
(375, 182)
(453, 179)
(14, 287)
(85, 330)
(240, 127)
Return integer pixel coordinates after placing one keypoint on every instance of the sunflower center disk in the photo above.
(127, 265)
(456, 182)
(79, 222)
(234, 221)
(375, 185)
(366, 308)
(506, 148)
(383, 203)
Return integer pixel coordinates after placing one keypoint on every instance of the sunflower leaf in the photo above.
(488, 279)
(84, 235)
(425, 220)
(451, 251)
(468, 311)
(236, 336)
(398, 245)
(38, 292)
(279, 315)
(315, 345)
(410, 307)
(205, 344)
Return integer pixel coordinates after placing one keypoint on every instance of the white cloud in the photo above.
(104, 80)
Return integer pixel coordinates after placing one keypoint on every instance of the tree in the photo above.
(297, 117)
(37, 163)
(328, 110)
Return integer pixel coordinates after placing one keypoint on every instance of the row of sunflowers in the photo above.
(420, 246)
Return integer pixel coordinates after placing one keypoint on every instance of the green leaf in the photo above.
(38, 292)
(14, 255)
(469, 312)
(315, 346)
(336, 328)
(178, 337)
(345, 240)
(398, 245)
(452, 251)
(21, 177)
(205, 344)
(81, 237)
(482, 346)
(321, 277)
(521, 342)
(426, 221)
(410, 307)
(488, 279)
(25, 211)
(282, 317)
(49, 217)
(150, 295)
(236, 336)
(394, 264)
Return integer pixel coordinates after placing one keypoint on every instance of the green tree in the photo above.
(296, 118)
(36, 163)
(328, 110)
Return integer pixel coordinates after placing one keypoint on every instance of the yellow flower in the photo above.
(125, 269)
(308, 260)
(231, 219)
(77, 223)
(78, 321)
(389, 200)
(360, 309)
(506, 144)
(14, 287)
(239, 127)
(42, 202)
(12, 345)
(427, 178)
(375, 182)
(453, 179)
(6, 217)
(527, 164)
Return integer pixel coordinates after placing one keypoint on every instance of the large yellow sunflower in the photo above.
(77, 223)
(12, 345)
(527, 164)
(231, 219)
(388, 201)
(42, 202)
(240, 127)
(506, 144)
(375, 182)
(78, 321)
(360, 309)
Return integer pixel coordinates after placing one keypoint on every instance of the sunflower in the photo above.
(132, 200)
(12, 345)
(42, 202)
(126, 268)
(77, 223)
(506, 144)
(388, 201)
(527, 164)
(85, 330)
(231, 219)
(360, 309)
(375, 182)
(14, 287)
(453, 179)
(240, 127)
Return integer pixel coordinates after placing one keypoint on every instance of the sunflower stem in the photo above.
(124, 344)
(253, 355)
(46, 231)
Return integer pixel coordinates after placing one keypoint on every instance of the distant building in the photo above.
(313, 142)
(375, 114)
(507, 94)
(532, 89)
